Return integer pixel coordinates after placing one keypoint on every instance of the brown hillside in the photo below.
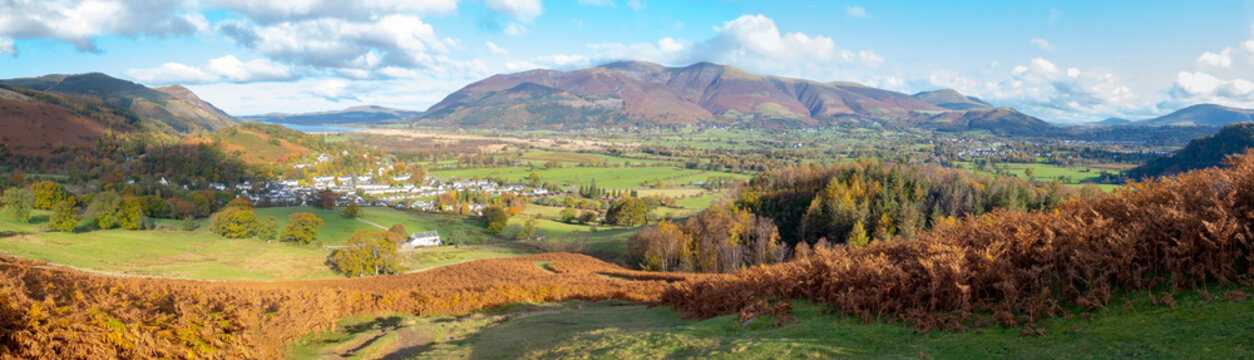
(32, 128)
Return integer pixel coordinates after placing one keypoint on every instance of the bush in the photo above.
(64, 216)
(18, 203)
(301, 228)
(234, 223)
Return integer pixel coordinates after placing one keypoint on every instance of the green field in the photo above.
(1193, 329)
(339, 228)
(446, 255)
(166, 253)
(605, 177)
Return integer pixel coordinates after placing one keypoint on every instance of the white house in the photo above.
(422, 239)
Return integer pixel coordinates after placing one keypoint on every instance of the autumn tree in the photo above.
(587, 217)
(495, 218)
(399, 229)
(64, 216)
(352, 211)
(18, 203)
(301, 228)
(367, 253)
(568, 215)
(110, 210)
(627, 211)
(234, 223)
(327, 199)
(48, 193)
(267, 229)
(857, 236)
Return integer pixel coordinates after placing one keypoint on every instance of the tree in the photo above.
(367, 253)
(627, 211)
(18, 203)
(399, 229)
(327, 199)
(189, 223)
(857, 237)
(529, 230)
(352, 211)
(234, 223)
(267, 229)
(1028, 172)
(495, 218)
(587, 217)
(105, 209)
(568, 215)
(48, 193)
(64, 216)
(301, 228)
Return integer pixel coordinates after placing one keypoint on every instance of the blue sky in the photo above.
(1063, 61)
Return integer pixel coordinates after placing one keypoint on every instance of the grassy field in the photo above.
(605, 177)
(619, 330)
(447, 255)
(196, 254)
(338, 228)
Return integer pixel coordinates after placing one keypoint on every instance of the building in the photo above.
(422, 239)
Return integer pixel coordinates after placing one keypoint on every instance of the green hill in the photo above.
(1203, 152)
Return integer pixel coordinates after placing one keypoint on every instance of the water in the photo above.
(317, 128)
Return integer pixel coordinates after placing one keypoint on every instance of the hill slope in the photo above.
(1203, 152)
(952, 99)
(1201, 115)
(352, 115)
(37, 124)
(640, 93)
(175, 106)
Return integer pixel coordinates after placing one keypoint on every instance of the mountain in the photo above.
(174, 106)
(39, 124)
(1001, 121)
(352, 115)
(645, 94)
(1201, 115)
(951, 99)
(1202, 152)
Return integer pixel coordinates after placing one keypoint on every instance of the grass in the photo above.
(446, 255)
(195, 255)
(620, 330)
(605, 177)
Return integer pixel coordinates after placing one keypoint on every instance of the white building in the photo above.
(422, 239)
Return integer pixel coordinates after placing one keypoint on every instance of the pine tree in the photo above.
(857, 236)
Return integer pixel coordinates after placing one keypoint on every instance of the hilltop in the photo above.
(174, 106)
(1201, 115)
(952, 99)
(640, 93)
(1202, 152)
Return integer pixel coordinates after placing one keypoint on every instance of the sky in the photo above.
(1062, 61)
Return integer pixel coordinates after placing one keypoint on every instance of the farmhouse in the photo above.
(422, 239)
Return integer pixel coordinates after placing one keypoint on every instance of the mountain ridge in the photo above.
(175, 106)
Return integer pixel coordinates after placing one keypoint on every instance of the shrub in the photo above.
(301, 228)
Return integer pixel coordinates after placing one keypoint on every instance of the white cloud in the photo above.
(1041, 43)
(596, 2)
(1223, 59)
(669, 45)
(757, 36)
(1044, 89)
(869, 58)
(6, 46)
(235, 70)
(856, 11)
(637, 5)
(80, 22)
(521, 10)
(514, 29)
(1249, 47)
(170, 73)
(495, 49)
(1199, 87)
(328, 43)
(332, 89)
(564, 60)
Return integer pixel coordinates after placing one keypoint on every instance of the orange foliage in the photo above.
(1019, 267)
(54, 312)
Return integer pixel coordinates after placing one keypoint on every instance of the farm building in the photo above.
(422, 239)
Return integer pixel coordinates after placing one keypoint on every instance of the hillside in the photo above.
(257, 143)
(1203, 152)
(1201, 115)
(952, 100)
(37, 124)
(640, 93)
(1000, 121)
(369, 114)
(174, 106)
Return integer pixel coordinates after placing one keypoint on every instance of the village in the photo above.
(363, 191)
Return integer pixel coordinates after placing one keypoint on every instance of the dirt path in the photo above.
(371, 223)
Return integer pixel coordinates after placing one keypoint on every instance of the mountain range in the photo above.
(641, 93)
(173, 106)
(353, 115)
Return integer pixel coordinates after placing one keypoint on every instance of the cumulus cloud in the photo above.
(494, 48)
(1199, 87)
(856, 11)
(6, 46)
(565, 60)
(332, 89)
(350, 47)
(1041, 43)
(1222, 59)
(235, 70)
(170, 73)
(80, 22)
(1042, 88)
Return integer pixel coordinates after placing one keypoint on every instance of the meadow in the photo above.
(605, 177)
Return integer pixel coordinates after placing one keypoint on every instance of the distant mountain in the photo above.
(645, 94)
(1113, 121)
(174, 106)
(353, 115)
(1000, 121)
(1203, 152)
(953, 100)
(1201, 115)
